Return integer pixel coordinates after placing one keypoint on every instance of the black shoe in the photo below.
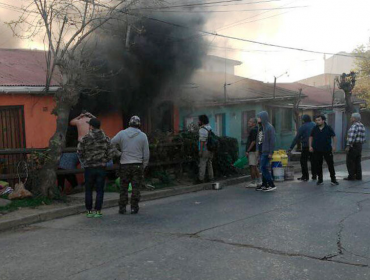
(359, 179)
(348, 179)
(334, 183)
(302, 179)
(269, 188)
(259, 188)
(135, 210)
(198, 182)
(320, 182)
(314, 178)
(122, 210)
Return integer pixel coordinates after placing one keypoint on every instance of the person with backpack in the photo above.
(206, 148)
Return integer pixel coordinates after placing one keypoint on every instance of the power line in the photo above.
(208, 4)
(231, 11)
(239, 22)
(232, 37)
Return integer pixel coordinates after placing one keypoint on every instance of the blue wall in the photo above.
(233, 122)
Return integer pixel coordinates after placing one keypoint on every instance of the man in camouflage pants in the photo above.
(134, 146)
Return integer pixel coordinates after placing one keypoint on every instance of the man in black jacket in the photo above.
(303, 135)
(320, 142)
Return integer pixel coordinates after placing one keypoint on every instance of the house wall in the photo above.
(111, 123)
(40, 124)
(233, 122)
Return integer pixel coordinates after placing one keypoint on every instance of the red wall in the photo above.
(111, 123)
(40, 124)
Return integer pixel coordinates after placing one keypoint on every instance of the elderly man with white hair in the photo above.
(355, 138)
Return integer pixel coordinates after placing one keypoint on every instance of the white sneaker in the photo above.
(252, 185)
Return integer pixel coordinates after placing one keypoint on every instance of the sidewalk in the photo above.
(27, 216)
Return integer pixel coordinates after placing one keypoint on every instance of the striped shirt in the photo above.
(356, 134)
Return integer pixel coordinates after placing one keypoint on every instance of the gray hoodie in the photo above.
(133, 145)
(268, 145)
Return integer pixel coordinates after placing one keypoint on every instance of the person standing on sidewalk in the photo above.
(94, 153)
(303, 136)
(205, 156)
(320, 142)
(355, 138)
(251, 153)
(134, 146)
(266, 150)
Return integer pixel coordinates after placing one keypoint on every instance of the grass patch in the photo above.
(30, 202)
(111, 188)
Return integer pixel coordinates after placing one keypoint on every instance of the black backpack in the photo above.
(212, 141)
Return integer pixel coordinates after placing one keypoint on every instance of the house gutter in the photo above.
(255, 100)
(28, 90)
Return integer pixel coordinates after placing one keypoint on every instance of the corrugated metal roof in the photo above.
(23, 68)
(208, 88)
(314, 96)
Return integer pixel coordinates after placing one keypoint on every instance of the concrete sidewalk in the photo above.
(26, 216)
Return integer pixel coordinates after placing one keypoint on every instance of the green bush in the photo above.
(224, 157)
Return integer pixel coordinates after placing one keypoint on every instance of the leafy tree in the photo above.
(66, 26)
(362, 89)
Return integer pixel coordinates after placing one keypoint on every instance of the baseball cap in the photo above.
(94, 122)
(135, 120)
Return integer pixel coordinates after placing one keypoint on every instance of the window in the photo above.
(272, 115)
(190, 123)
(246, 116)
(287, 118)
(220, 125)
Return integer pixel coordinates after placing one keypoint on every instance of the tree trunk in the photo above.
(349, 108)
(56, 145)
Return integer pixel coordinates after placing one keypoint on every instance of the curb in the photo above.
(147, 196)
(80, 208)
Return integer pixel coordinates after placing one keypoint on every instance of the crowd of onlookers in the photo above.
(317, 140)
(95, 151)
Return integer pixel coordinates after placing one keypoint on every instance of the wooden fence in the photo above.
(10, 158)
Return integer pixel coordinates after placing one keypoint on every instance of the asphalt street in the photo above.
(300, 231)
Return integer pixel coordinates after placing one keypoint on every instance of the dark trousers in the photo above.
(305, 157)
(319, 159)
(266, 175)
(134, 174)
(94, 177)
(71, 178)
(354, 162)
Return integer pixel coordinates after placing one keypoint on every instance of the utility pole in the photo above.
(128, 36)
(275, 78)
(332, 101)
(225, 94)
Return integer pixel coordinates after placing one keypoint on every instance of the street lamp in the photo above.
(275, 78)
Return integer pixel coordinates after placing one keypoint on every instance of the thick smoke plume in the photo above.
(137, 69)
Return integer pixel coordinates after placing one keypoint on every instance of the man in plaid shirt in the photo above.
(355, 138)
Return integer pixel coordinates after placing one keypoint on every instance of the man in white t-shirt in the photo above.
(205, 156)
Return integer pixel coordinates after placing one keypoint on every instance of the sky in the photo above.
(327, 26)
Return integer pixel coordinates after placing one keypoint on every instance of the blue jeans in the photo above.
(265, 164)
(94, 177)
